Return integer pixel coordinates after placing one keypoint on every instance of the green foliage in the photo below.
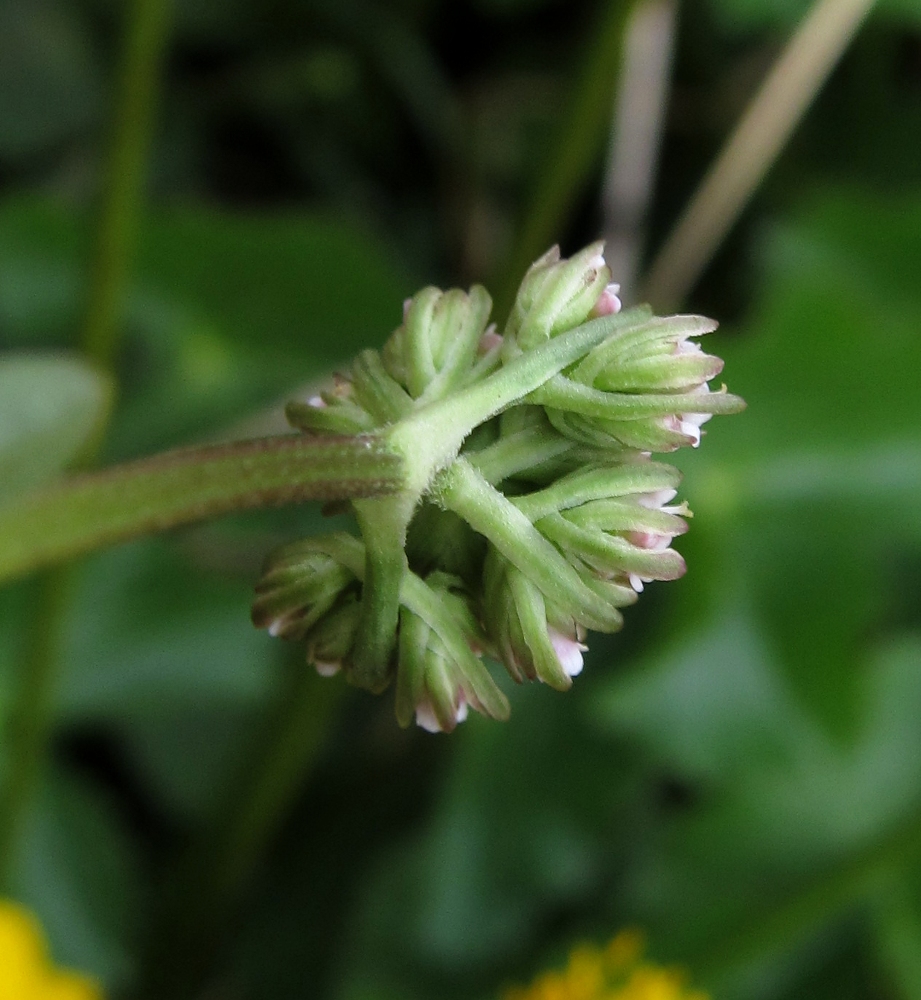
(738, 772)
(50, 407)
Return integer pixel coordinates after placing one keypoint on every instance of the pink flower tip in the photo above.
(428, 720)
(490, 340)
(608, 303)
(568, 651)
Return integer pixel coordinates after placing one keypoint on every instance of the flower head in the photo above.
(26, 970)
(300, 584)
(615, 972)
(531, 512)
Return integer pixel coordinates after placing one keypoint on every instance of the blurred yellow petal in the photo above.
(68, 986)
(26, 971)
(22, 952)
(612, 973)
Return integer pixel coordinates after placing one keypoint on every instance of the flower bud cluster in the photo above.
(551, 518)
(307, 594)
(646, 387)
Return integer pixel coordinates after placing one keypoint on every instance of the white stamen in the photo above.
(317, 402)
(656, 499)
(327, 669)
(636, 583)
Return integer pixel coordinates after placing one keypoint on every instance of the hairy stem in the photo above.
(96, 509)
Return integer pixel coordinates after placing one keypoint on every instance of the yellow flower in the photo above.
(614, 972)
(26, 970)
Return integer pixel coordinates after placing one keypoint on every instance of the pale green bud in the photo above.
(558, 294)
(436, 346)
(298, 587)
(647, 387)
(534, 640)
(330, 641)
(438, 682)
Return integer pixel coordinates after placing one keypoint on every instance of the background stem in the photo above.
(576, 150)
(145, 36)
(30, 724)
(639, 118)
(202, 896)
(751, 150)
(145, 41)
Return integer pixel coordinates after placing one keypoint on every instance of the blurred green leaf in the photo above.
(525, 827)
(897, 937)
(813, 489)
(162, 650)
(77, 871)
(779, 799)
(50, 406)
(226, 313)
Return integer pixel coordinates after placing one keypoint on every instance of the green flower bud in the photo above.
(645, 387)
(435, 348)
(299, 585)
(615, 522)
(438, 682)
(558, 294)
(333, 411)
(533, 639)
(330, 641)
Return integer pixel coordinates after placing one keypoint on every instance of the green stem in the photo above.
(145, 40)
(202, 897)
(180, 487)
(383, 525)
(751, 150)
(518, 452)
(576, 151)
(463, 490)
(144, 43)
(574, 397)
(30, 724)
